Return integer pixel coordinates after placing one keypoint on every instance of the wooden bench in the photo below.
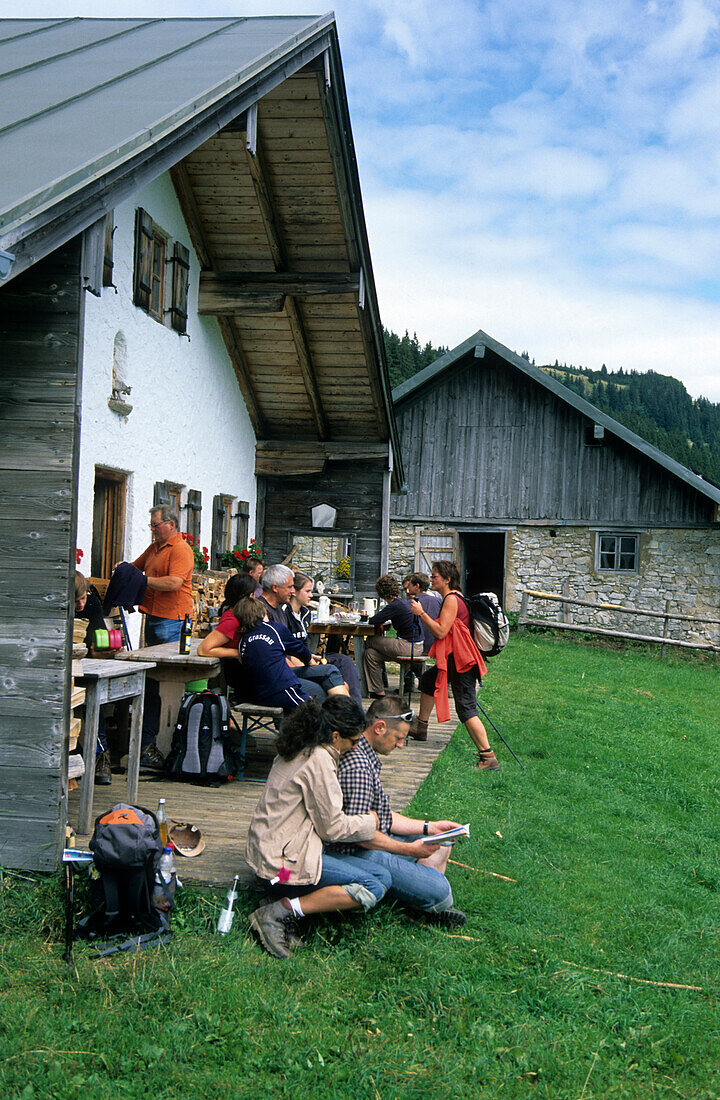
(253, 716)
(418, 667)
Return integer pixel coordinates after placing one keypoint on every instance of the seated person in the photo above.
(263, 648)
(299, 811)
(298, 621)
(277, 588)
(89, 606)
(222, 642)
(415, 587)
(417, 869)
(379, 649)
(253, 568)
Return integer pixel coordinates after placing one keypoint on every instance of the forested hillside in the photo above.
(656, 406)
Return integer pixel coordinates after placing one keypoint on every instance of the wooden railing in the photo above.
(566, 622)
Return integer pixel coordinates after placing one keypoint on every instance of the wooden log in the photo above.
(621, 634)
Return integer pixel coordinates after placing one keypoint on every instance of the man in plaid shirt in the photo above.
(416, 867)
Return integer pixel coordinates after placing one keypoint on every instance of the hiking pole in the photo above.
(497, 731)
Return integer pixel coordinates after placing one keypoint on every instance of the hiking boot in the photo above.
(487, 761)
(294, 938)
(451, 918)
(103, 775)
(272, 925)
(418, 730)
(152, 760)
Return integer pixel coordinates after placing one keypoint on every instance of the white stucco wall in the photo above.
(189, 424)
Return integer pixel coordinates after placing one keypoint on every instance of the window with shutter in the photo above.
(194, 511)
(180, 277)
(221, 528)
(143, 259)
(108, 261)
(169, 495)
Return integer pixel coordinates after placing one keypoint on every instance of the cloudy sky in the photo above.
(546, 170)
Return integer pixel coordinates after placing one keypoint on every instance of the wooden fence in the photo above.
(566, 622)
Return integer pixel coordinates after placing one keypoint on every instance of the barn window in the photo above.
(616, 553)
(161, 274)
(433, 546)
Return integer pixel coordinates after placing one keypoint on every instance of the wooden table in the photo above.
(172, 670)
(109, 682)
(358, 632)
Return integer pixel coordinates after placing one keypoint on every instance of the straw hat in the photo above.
(187, 839)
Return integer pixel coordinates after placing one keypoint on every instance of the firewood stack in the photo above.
(208, 591)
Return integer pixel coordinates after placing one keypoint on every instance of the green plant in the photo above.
(234, 558)
(201, 554)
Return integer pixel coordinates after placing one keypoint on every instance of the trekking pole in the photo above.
(497, 731)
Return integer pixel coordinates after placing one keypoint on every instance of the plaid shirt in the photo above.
(359, 777)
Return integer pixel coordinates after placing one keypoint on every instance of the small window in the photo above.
(617, 553)
(433, 546)
(169, 494)
(108, 536)
(161, 274)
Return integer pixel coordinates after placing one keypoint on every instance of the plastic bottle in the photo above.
(165, 880)
(162, 821)
(185, 636)
(226, 915)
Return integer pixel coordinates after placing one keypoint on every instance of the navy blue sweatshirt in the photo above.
(262, 652)
(399, 613)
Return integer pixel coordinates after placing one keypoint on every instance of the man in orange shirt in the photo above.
(168, 565)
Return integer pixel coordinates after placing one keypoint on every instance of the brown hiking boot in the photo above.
(418, 730)
(274, 926)
(103, 775)
(487, 760)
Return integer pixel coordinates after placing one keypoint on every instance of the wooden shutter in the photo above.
(143, 259)
(162, 495)
(180, 276)
(194, 509)
(243, 520)
(108, 263)
(218, 531)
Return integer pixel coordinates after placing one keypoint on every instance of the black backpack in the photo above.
(126, 849)
(201, 746)
(489, 624)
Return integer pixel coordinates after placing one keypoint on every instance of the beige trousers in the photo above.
(378, 650)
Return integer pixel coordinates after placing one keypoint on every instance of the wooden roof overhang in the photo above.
(273, 206)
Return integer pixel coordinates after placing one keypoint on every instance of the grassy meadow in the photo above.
(595, 973)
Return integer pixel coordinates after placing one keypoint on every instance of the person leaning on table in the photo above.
(168, 565)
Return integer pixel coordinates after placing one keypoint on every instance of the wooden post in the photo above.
(522, 617)
(666, 626)
(566, 612)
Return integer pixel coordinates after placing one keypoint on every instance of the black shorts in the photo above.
(462, 684)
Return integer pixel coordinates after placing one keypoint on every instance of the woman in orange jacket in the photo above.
(458, 662)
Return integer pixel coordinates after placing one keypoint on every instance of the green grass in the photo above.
(612, 834)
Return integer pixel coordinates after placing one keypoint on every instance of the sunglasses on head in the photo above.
(406, 716)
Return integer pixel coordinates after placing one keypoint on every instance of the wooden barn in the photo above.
(187, 311)
(526, 484)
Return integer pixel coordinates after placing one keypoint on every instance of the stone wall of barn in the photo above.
(681, 565)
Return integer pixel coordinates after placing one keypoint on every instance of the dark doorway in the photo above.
(483, 558)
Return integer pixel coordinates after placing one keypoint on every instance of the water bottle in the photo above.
(163, 895)
(226, 915)
(162, 822)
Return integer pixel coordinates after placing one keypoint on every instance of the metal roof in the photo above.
(479, 341)
(61, 82)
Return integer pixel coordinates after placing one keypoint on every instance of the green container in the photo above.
(196, 685)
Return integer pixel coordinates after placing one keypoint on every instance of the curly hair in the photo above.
(313, 723)
(448, 570)
(387, 587)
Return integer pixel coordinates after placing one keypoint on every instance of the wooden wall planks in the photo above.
(40, 330)
(488, 444)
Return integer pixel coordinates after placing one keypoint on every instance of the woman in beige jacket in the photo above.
(300, 810)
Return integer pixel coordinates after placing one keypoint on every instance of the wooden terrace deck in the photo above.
(223, 813)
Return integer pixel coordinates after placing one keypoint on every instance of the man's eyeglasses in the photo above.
(154, 526)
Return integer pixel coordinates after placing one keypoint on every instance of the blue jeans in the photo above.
(157, 631)
(366, 882)
(411, 883)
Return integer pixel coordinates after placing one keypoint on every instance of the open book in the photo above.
(450, 835)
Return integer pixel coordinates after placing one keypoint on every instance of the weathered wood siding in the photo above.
(354, 488)
(487, 443)
(40, 326)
